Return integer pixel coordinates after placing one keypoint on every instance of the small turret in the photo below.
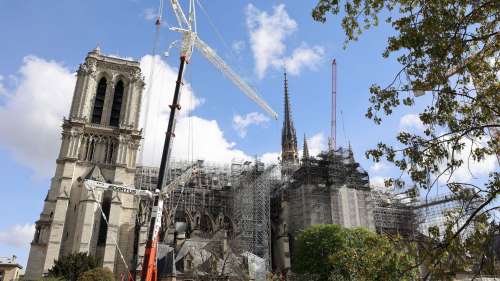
(305, 153)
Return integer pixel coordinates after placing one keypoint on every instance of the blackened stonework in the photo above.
(336, 168)
(331, 188)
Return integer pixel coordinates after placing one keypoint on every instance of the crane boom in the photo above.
(217, 61)
(180, 180)
(179, 14)
(150, 272)
(92, 184)
(189, 41)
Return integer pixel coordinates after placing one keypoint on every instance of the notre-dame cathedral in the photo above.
(237, 212)
(100, 139)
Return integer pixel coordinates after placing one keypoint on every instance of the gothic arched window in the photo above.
(36, 239)
(99, 101)
(103, 226)
(117, 104)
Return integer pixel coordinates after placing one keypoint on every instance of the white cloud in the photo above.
(149, 14)
(18, 235)
(317, 143)
(43, 95)
(33, 112)
(36, 106)
(209, 142)
(379, 167)
(411, 122)
(471, 169)
(3, 91)
(268, 33)
(195, 137)
(377, 182)
(241, 123)
(304, 57)
(238, 46)
(270, 158)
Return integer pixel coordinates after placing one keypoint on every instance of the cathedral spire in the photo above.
(288, 136)
(350, 154)
(305, 154)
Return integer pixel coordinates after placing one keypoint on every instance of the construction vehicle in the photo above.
(190, 40)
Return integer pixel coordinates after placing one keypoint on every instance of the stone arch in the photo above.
(38, 231)
(228, 226)
(206, 223)
(99, 97)
(123, 78)
(196, 220)
(88, 145)
(104, 74)
(220, 221)
(116, 106)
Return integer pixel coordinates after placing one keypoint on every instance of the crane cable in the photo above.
(232, 55)
(190, 138)
(214, 28)
(107, 224)
(343, 127)
(156, 43)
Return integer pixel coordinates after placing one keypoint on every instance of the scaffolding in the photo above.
(203, 202)
(252, 208)
(433, 212)
(407, 213)
(329, 188)
(210, 176)
(394, 213)
(235, 197)
(333, 167)
(146, 178)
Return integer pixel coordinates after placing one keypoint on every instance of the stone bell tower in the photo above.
(99, 141)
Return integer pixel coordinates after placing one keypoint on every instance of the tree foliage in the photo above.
(449, 55)
(330, 252)
(97, 274)
(314, 247)
(443, 256)
(70, 267)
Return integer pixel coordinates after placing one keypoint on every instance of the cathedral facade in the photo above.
(99, 142)
(234, 211)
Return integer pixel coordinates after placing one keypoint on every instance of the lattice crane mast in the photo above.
(190, 40)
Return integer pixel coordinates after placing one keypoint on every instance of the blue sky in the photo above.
(43, 43)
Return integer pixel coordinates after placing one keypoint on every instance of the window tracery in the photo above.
(99, 101)
(117, 104)
(98, 148)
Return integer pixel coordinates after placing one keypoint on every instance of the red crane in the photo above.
(333, 132)
(190, 40)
